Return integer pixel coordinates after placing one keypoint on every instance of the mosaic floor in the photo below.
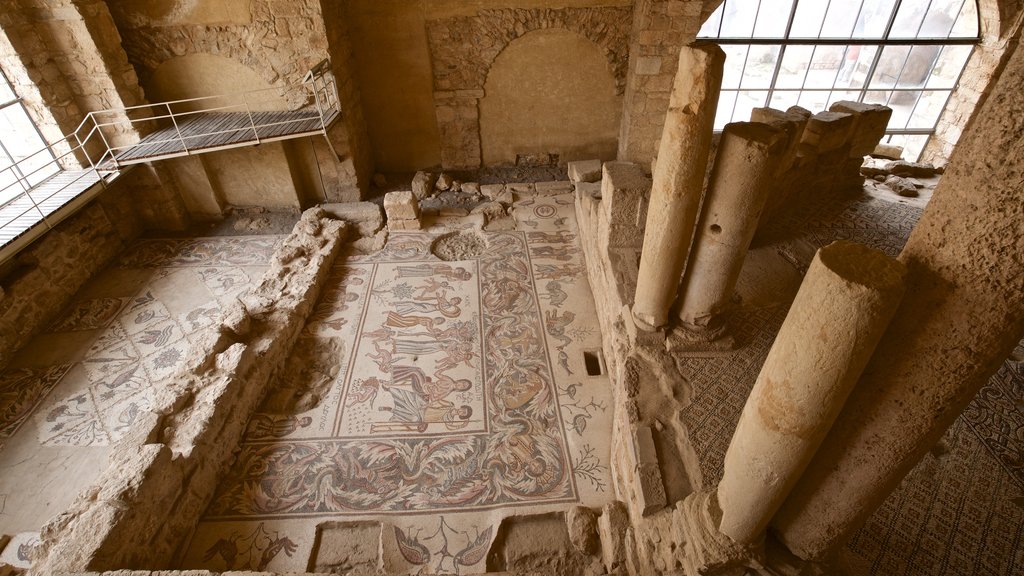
(960, 511)
(438, 397)
(75, 389)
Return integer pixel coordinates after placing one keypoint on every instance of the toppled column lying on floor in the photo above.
(163, 474)
(844, 305)
(961, 319)
(678, 181)
(738, 188)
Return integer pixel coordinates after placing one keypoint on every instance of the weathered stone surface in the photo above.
(870, 123)
(401, 206)
(901, 186)
(613, 523)
(444, 182)
(423, 184)
(651, 492)
(492, 190)
(585, 171)
(888, 152)
(364, 217)
(403, 224)
(341, 547)
(492, 210)
(541, 543)
(521, 188)
(625, 191)
(553, 188)
(471, 187)
(827, 131)
(582, 524)
(914, 169)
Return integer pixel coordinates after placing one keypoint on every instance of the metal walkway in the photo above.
(182, 127)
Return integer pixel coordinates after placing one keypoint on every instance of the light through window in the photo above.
(906, 54)
(25, 160)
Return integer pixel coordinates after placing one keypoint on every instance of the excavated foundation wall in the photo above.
(163, 473)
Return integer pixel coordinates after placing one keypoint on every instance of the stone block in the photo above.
(582, 525)
(827, 131)
(612, 525)
(492, 190)
(341, 547)
(585, 171)
(403, 224)
(423, 184)
(553, 188)
(589, 189)
(888, 152)
(365, 217)
(869, 127)
(521, 188)
(651, 489)
(648, 65)
(901, 186)
(625, 190)
(401, 206)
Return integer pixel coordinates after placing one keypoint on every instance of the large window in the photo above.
(906, 54)
(25, 160)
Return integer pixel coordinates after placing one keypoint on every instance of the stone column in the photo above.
(737, 191)
(844, 305)
(961, 319)
(678, 181)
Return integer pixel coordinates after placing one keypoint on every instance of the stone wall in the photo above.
(161, 476)
(40, 280)
(463, 48)
(660, 29)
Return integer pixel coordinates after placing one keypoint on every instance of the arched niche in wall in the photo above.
(549, 92)
(204, 75)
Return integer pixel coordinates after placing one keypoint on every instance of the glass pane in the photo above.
(794, 66)
(873, 19)
(738, 19)
(940, 18)
(948, 67)
(855, 67)
(724, 113)
(710, 27)
(808, 19)
(840, 19)
(966, 25)
(783, 99)
(9, 187)
(735, 58)
(909, 19)
(902, 103)
(22, 141)
(840, 95)
(876, 97)
(825, 66)
(6, 92)
(772, 18)
(889, 66)
(814, 100)
(761, 62)
(918, 66)
(929, 108)
(912, 145)
(746, 101)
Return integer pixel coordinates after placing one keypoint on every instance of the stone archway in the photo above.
(463, 49)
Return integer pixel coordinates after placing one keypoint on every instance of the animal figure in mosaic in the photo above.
(556, 324)
(558, 272)
(254, 551)
(417, 553)
(559, 237)
(561, 253)
(563, 360)
(555, 295)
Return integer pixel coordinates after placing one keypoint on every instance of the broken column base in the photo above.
(688, 338)
(708, 552)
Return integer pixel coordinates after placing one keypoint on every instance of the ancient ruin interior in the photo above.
(511, 286)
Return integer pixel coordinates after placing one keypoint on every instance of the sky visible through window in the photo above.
(24, 159)
(906, 54)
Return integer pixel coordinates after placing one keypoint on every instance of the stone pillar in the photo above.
(962, 319)
(739, 186)
(844, 305)
(678, 181)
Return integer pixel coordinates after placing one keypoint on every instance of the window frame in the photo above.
(22, 179)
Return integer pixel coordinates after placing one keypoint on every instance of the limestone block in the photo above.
(827, 131)
(843, 307)
(505, 197)
(625, 190)
(403, 224)
(800, 111)
(901, 186)
(492, 210)
(612, 524)
(451, 212)
(401, 206)
(912, 169)
(423, 184)
(521, 188)
(553, 188)
(444, 182)
(888, 152)
(492, 190)
(588, 189)
(869, 127)
(585, 171)
(365, 217)
(471, 187)
(648, 473)
(582, 524)
(347, 546)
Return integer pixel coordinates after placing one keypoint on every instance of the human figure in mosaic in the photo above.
(433, 270)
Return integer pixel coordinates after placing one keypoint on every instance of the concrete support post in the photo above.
(841, 311)
(965, 263)
(678, 181)
(737, 191)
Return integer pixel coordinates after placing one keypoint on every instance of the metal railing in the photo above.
(103, 135)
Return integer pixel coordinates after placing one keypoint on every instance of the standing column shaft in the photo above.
(844, 304)
(738, 189)
(678, 181)
(965, 262)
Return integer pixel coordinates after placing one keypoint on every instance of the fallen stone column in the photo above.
(739, 186)
(841, 311)
(678, 181)
(964, 260)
